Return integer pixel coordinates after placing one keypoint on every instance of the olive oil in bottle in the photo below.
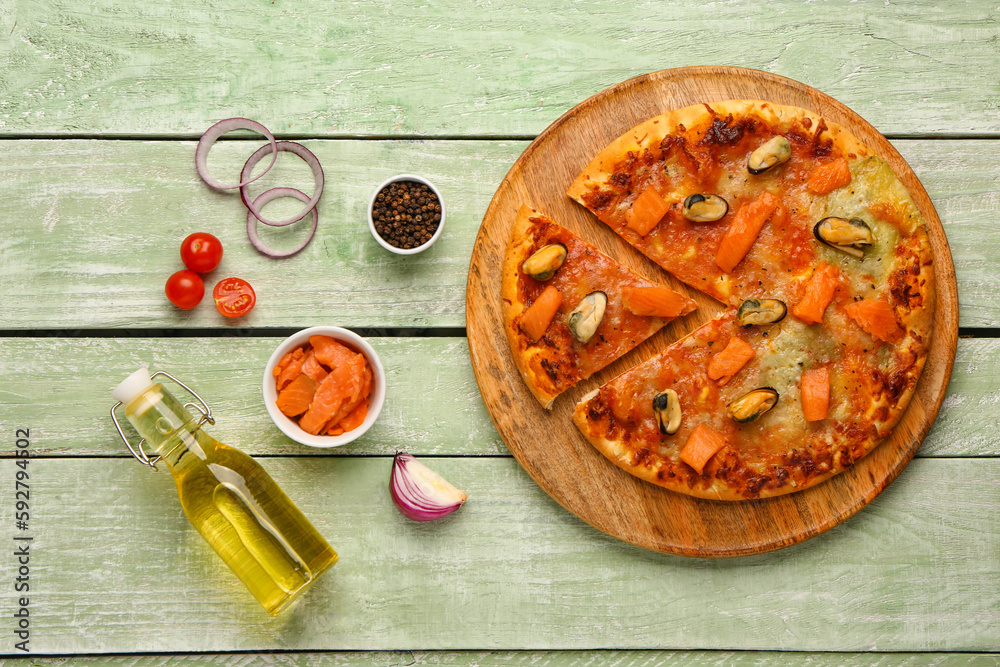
(228, 497)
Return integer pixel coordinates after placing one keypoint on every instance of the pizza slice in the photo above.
(728, 196)
(570, 310)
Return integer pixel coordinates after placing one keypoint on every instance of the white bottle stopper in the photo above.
(132, 386)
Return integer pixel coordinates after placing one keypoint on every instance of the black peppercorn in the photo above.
(406, 214)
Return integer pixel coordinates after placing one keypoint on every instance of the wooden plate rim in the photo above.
(946, 316)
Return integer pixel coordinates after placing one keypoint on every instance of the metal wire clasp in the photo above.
(137, 451)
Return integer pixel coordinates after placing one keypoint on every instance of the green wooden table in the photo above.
(101, 104)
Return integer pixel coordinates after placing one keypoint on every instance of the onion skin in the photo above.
(216, 131)
(265, 197)
(296, 149)
(420, 493)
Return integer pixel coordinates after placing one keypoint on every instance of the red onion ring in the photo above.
(262, 199)
(216, 131)
(302, 152)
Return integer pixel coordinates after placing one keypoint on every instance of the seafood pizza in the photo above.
(824, 262)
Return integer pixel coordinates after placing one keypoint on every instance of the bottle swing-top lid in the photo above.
(130, 388)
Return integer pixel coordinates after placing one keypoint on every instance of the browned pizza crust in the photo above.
(651, 133)
(527, 358)
(663, 474)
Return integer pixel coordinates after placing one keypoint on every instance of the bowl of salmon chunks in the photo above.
(324, 386)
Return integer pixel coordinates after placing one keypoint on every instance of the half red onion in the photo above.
(290, 147)
(420, 493)
(262, 199)
(216, 131)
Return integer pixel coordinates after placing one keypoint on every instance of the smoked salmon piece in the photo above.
(355, 395)
(329, 352)
(294, 399)
(820, 289)
(877, 318)
(347, 418)
(829, 176)
(724, 365)
(280, 366)
(656, 302)
(703, 443)
(342, 384)
(744, 230)
(313, 368)
(814, 385)
(538, 316)
(353, 420)
(292, 369)
(646, 212)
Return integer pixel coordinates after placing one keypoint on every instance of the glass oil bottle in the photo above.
(228, 497)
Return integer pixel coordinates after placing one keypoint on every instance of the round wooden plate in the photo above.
(548, 445)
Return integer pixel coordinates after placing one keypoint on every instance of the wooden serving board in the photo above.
(548, 445)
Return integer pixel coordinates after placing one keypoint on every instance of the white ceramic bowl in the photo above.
(375, 400)
(371, 222)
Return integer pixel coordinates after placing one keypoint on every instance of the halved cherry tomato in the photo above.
(185, 289)
(234, 297)
(201, 252)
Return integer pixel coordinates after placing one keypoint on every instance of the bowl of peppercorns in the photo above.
(406, 214)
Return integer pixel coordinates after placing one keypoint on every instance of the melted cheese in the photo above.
(789, 348)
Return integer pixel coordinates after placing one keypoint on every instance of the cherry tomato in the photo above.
(201, 252)
(185, 289)
(234, 297)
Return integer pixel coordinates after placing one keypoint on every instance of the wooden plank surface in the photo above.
(447, 68)
(539, 659)
(93, 229)
(61, 389)
(116, 569)
(92, 216)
